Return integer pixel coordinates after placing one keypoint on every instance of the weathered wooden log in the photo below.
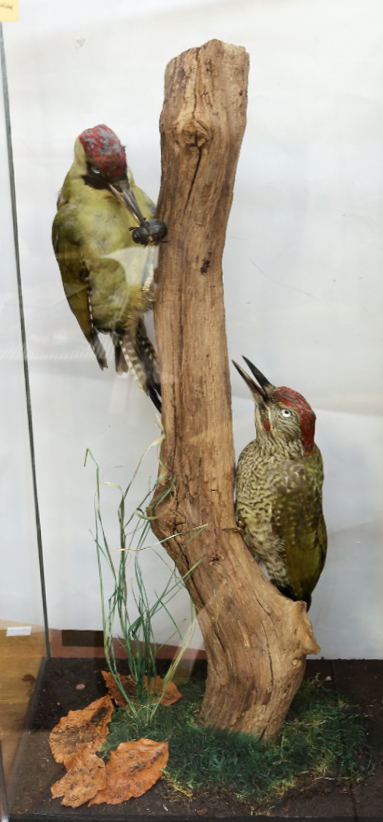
(256, 640)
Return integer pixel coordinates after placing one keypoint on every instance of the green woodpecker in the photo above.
(103, 236)
(279, 489)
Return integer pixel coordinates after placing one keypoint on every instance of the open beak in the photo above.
(124, 193)
(254, 388)
(263, 381)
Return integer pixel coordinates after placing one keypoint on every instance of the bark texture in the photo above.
(256, 640)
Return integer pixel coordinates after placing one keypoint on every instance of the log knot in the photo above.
(195, 134)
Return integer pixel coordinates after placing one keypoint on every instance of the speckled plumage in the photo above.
(107, 278)
(279, 490)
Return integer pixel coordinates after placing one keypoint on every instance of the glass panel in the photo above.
(22, 635)
(302, 273)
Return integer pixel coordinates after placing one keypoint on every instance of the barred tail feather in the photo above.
(98, 349)
(119, 359)
(137, 353)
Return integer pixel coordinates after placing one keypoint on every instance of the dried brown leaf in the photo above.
(114, 690)
(170, 696)
(132, 769)
(87, 727)
(85, 778)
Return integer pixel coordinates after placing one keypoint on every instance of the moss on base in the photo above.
(322, 737)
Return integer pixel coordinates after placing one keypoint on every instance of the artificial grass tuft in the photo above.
(321, 737)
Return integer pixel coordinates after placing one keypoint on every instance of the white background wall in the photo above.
(302, 266)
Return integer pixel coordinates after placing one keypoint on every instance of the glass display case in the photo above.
(81, 444)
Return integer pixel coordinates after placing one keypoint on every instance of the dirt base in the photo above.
(359, 681)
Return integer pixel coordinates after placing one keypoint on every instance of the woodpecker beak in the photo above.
(255, 389)
(266, 385)
(124, 193)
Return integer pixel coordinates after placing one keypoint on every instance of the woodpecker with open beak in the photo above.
(279, 483)
(104, 237)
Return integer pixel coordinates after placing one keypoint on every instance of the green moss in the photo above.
(320, 737)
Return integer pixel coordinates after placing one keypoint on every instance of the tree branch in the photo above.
(255, 639)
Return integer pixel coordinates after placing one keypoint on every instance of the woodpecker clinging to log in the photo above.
(101, 218)
(279, 489)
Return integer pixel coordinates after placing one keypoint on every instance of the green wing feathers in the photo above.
(72, 268)
(298, 520)
(74, 275)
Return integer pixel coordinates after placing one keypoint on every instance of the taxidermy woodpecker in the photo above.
(103, 237)
(279, 489)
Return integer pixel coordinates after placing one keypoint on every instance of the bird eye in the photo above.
(285, 412)
(95, 170)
